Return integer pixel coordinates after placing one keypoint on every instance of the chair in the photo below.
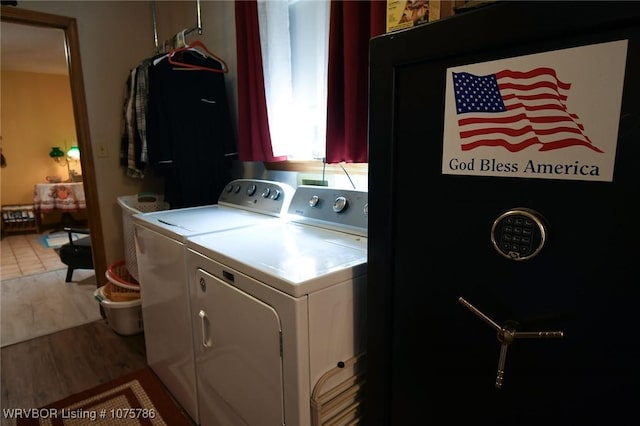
(76, 254)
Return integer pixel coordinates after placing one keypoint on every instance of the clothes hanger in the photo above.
(192, 46)
(179, 41)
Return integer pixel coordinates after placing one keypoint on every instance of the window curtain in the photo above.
(351, 25)
(276, 67)
(254, 141)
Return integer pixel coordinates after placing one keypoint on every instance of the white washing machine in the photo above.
(277, 309)
(161, 254)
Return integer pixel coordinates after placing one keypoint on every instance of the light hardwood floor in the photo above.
(65, 357)
(48, 368)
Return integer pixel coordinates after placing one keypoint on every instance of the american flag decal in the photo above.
(516, 110)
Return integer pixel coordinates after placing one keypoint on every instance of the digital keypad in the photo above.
(518, 234)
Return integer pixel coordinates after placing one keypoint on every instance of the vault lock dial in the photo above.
(519, 234)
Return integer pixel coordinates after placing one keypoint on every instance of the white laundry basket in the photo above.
(123, 317)
(133, 204)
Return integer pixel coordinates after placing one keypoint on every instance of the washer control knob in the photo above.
(266, 193)
(313, 202)
(252, 189)
(339, 204)
(236, 188)
(229, 188)
(276, 194)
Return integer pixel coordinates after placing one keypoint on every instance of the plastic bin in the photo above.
(134, 204)
(123, 317)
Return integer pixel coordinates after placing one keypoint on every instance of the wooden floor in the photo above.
(48, 368)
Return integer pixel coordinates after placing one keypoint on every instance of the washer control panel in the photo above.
(261, 196)
(339, 209)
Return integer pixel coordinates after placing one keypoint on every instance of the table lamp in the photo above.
(59, 156)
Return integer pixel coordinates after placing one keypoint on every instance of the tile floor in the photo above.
(35, 300)
(23, 254)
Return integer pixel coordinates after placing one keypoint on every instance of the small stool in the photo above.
(76, 254)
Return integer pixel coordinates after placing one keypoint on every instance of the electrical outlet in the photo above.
(102, 151)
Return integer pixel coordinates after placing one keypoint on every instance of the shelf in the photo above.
(19, 218)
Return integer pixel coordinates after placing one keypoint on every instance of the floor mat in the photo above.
(137, 398)
(58, 239)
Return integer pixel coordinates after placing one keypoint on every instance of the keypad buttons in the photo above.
(519, 234)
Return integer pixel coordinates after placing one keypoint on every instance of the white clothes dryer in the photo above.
(160, 239)
(277, 309)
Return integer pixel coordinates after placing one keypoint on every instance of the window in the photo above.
(294, 40)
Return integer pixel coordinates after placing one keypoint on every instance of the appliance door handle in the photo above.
(204, 323)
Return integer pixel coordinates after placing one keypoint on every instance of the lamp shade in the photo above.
(56, 152)
(74, 153)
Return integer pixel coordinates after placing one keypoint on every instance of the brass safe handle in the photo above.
(506, 335)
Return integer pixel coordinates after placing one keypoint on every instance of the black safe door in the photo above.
(572, 309)
(461, 333)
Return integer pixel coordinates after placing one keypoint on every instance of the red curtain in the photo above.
(351, 25)
(254, 141)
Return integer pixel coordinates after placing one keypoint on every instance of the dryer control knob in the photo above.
(339, 204)
(313, 201)
(266, 193)
(276, 194)
(252, 189)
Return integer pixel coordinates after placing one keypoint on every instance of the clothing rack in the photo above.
(183, 33)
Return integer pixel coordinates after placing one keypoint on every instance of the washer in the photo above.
(278, 308)
(160, 249)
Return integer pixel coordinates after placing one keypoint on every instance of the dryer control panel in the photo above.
(343, 210)
(260, 196)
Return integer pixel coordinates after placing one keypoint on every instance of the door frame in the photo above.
(76, 79)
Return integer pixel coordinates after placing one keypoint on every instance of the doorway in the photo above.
(39, 21)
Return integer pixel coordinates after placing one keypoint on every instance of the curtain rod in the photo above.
(198, 26)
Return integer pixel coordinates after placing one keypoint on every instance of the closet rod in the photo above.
(155, 24)
(198, 26)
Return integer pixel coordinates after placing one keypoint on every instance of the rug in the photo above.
(138, 398)
(58, 239)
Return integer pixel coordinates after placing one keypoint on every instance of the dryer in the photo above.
(278, 309)
(160, 239)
